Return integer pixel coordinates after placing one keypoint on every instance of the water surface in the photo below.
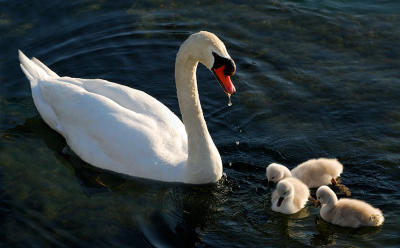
(314, 78)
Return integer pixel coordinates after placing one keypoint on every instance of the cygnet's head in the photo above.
(275, 172)
(209, 50)
(325, 195)
(284, 189)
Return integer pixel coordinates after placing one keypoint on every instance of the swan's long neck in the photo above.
(204, 162)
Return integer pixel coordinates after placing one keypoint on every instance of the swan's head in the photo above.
(325, 195)
(209, 50)
(275, 172)
(285, 190)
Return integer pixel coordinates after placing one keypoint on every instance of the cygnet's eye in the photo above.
(285, 193)
(272, 177)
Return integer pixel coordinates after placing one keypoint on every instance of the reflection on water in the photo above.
(327, 233)
(313, 79)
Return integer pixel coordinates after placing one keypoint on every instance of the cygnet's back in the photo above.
(355, 213)
(318, 172)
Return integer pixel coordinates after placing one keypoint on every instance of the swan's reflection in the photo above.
(191, 210)
(328, 233)
(160, 214)
(290, 226)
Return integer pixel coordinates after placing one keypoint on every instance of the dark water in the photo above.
(314, 78)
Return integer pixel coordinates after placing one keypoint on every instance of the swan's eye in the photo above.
(223, 68)
(219, 61)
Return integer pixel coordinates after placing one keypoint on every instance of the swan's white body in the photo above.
(121, 129)
(294, 194)
(313, 172)
(347, 212)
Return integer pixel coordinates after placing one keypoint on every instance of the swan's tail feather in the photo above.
(34, 69)
(44, 67)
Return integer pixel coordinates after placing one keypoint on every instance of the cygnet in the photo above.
(313, 172)
(347, 212)
(290, 196)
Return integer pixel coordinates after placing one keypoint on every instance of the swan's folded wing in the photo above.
(111, 136)
(132, 99)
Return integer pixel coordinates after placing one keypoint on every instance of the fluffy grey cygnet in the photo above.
(347, 212)
(313, 172)
(290, 196)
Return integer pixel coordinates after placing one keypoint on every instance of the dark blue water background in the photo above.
(314, 78)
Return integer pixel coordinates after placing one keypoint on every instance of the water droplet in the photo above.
(230, 163)
(229, 100)
(237, 142)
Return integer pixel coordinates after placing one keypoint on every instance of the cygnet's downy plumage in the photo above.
(313, 172)
(276, 172)
(347, 212)
(318, 172)
(290, 196)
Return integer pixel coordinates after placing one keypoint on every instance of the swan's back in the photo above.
(318, 172)
(108, 125)
(354, 213)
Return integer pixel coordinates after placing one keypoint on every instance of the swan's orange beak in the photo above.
(224, 80)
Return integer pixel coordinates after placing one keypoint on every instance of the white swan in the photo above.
(121, 129)
(313, 172)
(347, 212)
(290, 196)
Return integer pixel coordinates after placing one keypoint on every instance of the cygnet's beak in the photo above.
(270, 183)
(280, 201)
